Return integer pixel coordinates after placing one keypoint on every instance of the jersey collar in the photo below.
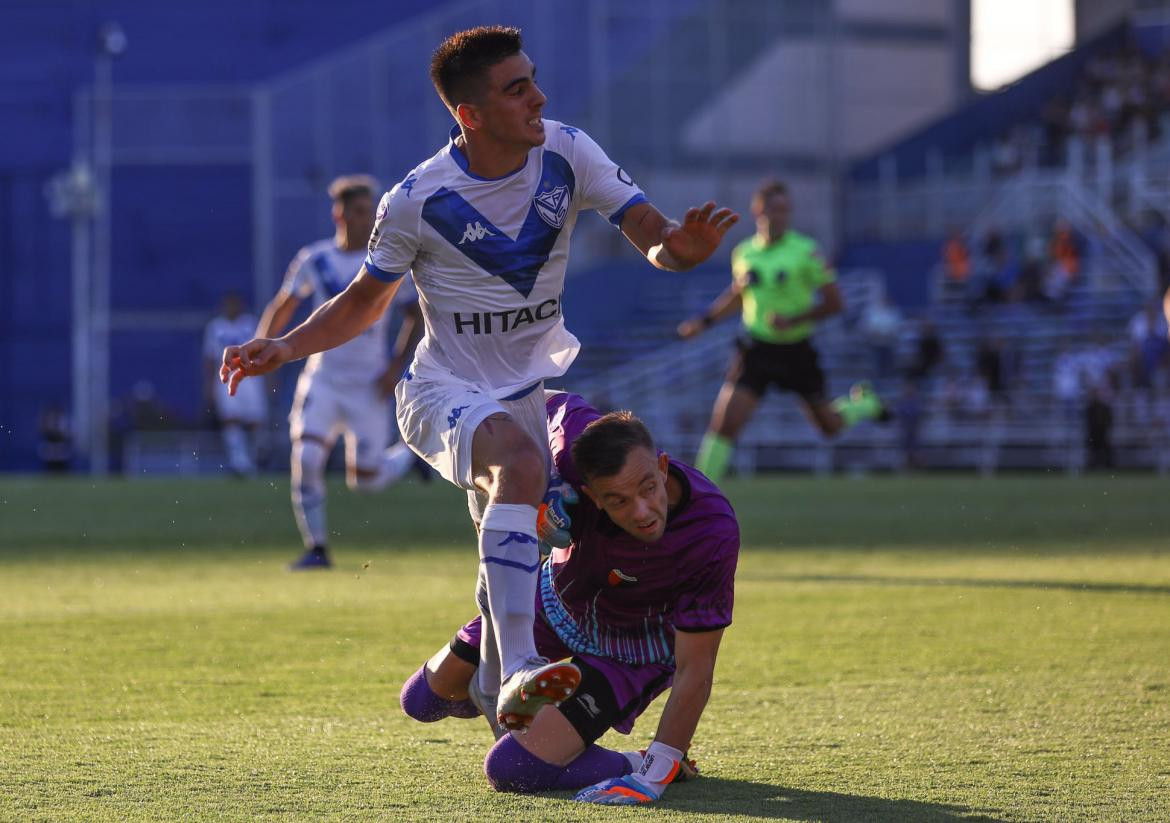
(460, 158)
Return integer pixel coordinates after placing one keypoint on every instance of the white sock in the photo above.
(308, 490)
(509, 556)
(488, 672)
(235, 443)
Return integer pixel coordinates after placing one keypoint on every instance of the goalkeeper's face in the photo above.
(635, 497)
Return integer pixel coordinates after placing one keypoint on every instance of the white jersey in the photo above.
(322, 271)
(488, 257)
(249, 404)
(222, 332)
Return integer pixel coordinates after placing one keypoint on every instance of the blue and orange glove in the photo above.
(661, 765)
(552, 520)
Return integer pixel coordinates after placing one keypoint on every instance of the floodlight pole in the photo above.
(111, 44)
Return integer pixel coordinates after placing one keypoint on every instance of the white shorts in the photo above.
(438, 419)
(323, 410)
(248, 406)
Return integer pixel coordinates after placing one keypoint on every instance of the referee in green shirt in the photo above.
(783, 287)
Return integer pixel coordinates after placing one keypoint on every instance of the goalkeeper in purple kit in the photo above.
(639, 602)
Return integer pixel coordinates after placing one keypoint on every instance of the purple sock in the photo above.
(512, 768)
(419, 702)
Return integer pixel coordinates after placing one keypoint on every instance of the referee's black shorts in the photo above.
(793, 367)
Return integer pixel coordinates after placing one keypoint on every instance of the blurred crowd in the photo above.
(1122, 97)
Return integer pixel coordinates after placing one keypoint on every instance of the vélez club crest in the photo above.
(553, 206)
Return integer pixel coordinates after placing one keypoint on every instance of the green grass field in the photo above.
(926, 648)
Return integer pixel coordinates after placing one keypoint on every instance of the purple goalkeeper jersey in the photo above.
(612, 595)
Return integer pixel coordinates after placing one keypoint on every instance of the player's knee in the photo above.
(523, 475)
(418, 701)
(510, 767)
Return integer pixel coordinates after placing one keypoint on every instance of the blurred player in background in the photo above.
(783, 288)
(344, 391)
(639, 601)
(242, 416)
(484, 228)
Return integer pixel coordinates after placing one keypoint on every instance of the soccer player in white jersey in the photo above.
(484, 228)
(347, 389)
(245, 413)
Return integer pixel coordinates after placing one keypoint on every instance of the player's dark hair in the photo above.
(600, 450)
(348, 187)
(768, 189)
(460, 64)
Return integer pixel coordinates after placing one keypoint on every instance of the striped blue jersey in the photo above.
(488, 257)
(321, 271)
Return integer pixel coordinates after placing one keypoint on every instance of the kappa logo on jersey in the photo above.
(617, 578)
(553, 206)
(455, 414)
(572, 132)
(476, 232)
(586, 702)
(408, 184)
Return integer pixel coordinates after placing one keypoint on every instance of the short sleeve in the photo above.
(739, 267)
(394, 241)
(298, 279)
(602, 184)
(820, 273)
(707, 603)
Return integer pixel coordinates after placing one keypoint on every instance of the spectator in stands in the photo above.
(1099, 430)
(993, 367)
(55, 448)
(1064, 249)
(965, 396)
(928, 352)
(1099, 366)
(1067, 384)
(1148, 348)
(956, 262)
(782, 288)
(908, 414)
(881, 323)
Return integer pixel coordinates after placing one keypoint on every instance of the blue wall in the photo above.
(182, 235)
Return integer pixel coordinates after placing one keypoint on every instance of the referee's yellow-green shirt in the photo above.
(779, 279)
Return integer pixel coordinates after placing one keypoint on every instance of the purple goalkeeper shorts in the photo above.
(611, 695)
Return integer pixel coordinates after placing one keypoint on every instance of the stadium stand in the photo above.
(225, 159)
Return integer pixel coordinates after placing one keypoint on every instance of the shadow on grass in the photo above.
(713, 795)
(969, 582)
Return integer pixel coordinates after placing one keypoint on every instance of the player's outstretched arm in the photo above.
(695, 654)
(335, 322)
(672, 246)
(277, 314)
(725, 305)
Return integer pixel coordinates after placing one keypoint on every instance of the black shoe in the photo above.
(314, 558)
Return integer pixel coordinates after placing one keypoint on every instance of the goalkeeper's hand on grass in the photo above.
(661, 765)
(629, 790)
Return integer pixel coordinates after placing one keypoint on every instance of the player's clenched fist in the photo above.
(256, 357)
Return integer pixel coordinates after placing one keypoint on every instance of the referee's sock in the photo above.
(714, 455)
(862, 403)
